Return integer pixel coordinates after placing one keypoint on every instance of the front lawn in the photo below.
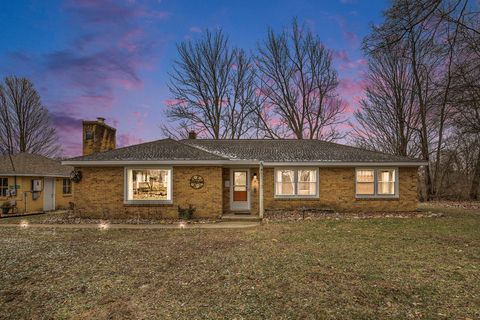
(348, 268)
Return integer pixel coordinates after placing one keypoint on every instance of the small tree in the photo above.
(24, 122)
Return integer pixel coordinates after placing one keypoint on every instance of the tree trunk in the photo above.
(475, 180)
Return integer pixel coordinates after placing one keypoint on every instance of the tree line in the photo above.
(423, 92)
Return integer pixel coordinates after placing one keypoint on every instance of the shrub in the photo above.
(186, 213)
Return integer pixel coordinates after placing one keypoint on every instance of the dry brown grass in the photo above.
(347, 268)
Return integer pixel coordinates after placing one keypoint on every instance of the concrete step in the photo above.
(240, 217)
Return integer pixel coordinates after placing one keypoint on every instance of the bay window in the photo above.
(299, 183)
(148, 185)
(376, 182)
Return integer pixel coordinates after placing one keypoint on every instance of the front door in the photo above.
(48, 194)
(240, 190)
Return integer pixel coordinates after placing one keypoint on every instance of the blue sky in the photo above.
(111, 58)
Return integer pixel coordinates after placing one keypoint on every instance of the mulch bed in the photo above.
(469, 205)
(281, 215)
(70, 218)
(10, 215)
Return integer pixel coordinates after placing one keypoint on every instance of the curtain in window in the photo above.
(285, 182)
(365, 181)
(307, 182)
(386, 181)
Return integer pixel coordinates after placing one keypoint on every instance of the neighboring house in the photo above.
(34, 183)
(221, 177)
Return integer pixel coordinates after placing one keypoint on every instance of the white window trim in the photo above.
(296, 196)
(375, 194)
(125, 185)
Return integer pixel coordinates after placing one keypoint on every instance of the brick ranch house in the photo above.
(224, 177)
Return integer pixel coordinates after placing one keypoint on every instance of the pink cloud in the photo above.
(127, 139)
(351, 38)
(195, 29)
(140, 118)
(350, 87)
(359, 63)
(172, 102)
(341, 55)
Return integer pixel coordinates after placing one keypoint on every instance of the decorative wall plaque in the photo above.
(76, 176)
(196, 182)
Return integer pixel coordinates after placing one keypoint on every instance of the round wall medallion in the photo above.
(76, 176)
(196, 182)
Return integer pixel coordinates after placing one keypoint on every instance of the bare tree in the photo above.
(25, 125)
(388, 115)
(466, 93)
(297, 87)
(428, 30)
(212, 88)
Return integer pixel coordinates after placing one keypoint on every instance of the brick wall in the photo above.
(337, 191)
(101, 137)
(62, 201)
(100, 194)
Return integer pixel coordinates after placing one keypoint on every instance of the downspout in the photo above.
(260, 191)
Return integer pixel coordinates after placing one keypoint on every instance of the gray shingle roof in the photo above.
(32, 165)
(292, 150)
(247, 149)
(166, 149)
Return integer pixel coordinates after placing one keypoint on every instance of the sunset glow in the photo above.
(112, 58)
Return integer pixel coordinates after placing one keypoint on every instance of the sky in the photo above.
(111, 58)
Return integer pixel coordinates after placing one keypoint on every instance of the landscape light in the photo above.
(24, 223)
(104, 225)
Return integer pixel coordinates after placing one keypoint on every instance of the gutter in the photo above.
(122, 163)
(33, 175)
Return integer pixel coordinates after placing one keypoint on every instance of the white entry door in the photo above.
(240, 190)
(48, 194)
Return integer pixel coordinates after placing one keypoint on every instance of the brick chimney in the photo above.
(97, 136)
(192, 135)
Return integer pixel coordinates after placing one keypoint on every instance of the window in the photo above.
(296, 182)
(376, 182)
(67, 186)
(386, 182)
(307, 182)
(366, 182)
(148, 185)
(3, 187)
